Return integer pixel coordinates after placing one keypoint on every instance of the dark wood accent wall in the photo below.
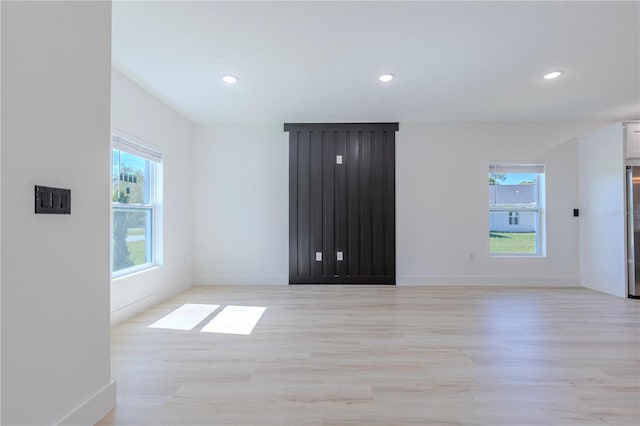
(347, 208)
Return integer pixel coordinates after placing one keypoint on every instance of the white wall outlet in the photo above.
(318, 256)
(339, 255)
(338, 159)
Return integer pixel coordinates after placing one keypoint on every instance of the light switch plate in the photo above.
(338, 159)
(318, 256)
(52, 200)
(339, 256)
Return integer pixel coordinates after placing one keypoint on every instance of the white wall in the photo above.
(55, 277)
(442, 207)
(0, 213)
(241, 215)
(139, 114)
(241, 219)
(602, 209)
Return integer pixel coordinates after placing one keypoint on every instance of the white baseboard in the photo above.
(488, 280)
(139, 306)
(619, 291)
(406, 280)
(94, 408)
(241, 280)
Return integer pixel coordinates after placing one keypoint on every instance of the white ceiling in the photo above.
(320, 61)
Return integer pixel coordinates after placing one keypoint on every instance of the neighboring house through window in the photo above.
(516, 220)
(135, 194)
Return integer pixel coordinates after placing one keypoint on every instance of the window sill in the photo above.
(517, 256)
(129, 272)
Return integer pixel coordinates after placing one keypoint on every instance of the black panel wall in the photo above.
(346, 208)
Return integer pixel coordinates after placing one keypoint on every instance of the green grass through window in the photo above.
(137, 252)
(512, 242)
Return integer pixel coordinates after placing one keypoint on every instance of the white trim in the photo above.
(488, 280)
(516, 255)
(136, 272)
(241, 280)
(133, 146)
(94, 408)
(133, 270)
(511, 208)
(420, 280)
(495, 168)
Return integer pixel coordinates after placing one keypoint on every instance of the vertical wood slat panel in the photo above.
(389, 203)
(340, 197)
(352, 254)
(364, 183)
(293, 203)
(378, 203)
(328, 208)
(304, 268)
(348, 207)
(315, 201)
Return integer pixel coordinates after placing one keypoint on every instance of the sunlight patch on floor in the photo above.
(235, 320)
(186, 317)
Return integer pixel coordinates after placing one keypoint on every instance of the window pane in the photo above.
(515, 208)
(513, 232)
(115, 172)
(513, 189)
(131, 237)
(131, 179)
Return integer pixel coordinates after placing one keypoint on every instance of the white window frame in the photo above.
(539, 208)
(139, 149)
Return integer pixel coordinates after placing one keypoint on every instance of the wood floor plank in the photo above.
(385, 355)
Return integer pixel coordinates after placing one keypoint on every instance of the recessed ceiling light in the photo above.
(230, 79)
(552, 75)
(386, 77)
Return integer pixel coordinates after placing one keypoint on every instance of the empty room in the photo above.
(320, 213)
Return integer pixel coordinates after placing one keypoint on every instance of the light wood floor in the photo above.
(382, 355)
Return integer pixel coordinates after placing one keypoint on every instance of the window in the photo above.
(516, 209)
(135, 178)
(513, 218)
